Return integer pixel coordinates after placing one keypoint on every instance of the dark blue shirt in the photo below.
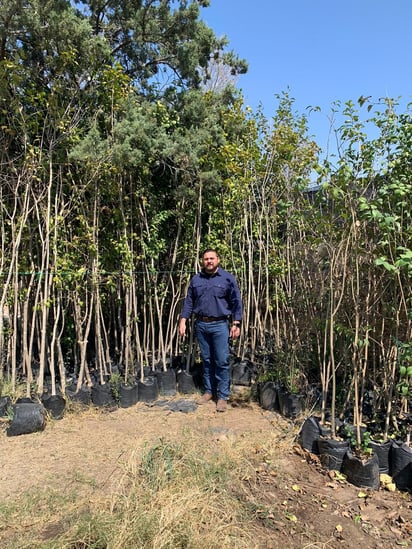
(213, 295)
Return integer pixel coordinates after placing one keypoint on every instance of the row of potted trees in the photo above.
(362, 459)
(28, 414)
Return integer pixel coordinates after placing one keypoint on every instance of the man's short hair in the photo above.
(210, 250)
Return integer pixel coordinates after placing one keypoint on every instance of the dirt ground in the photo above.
(87, 450)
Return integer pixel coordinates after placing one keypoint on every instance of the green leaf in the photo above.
(385, 263)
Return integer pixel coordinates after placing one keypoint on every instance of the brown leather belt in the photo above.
(211, 318)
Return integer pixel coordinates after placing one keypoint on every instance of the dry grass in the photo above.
(184, 494)
(187, 494)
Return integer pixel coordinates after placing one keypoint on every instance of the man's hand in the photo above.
(182, 327)
(234, 332)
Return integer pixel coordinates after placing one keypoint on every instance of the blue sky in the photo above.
(322, 51)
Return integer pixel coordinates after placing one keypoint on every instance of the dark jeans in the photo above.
(213, 338)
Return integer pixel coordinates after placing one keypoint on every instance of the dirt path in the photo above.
(93, 444)
(87, 451)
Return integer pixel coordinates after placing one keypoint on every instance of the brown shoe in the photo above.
(221, 405)
(204, 398)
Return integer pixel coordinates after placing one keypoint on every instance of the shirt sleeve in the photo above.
(188, 303)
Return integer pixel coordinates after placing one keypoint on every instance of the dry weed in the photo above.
(187, 494)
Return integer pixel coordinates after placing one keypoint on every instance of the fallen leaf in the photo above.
(385, 479)
(339, 476)
(401, 520)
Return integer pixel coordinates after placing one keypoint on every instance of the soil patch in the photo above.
(298, 504)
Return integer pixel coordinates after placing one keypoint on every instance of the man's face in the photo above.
(210, 262)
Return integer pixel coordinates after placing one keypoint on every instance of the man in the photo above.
(214, 298)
